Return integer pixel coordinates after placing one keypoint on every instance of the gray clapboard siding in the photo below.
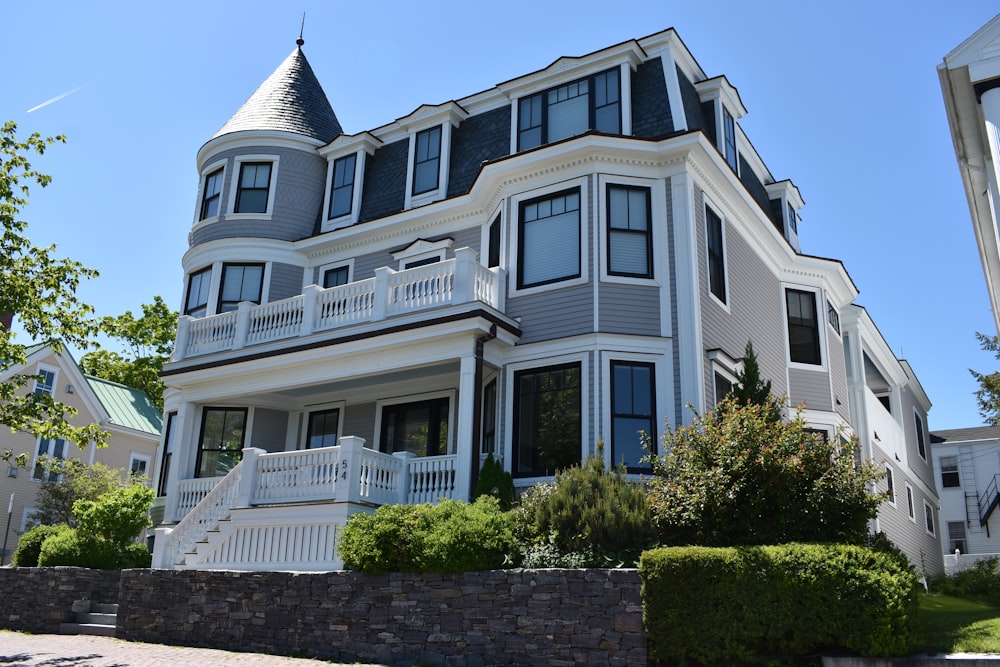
(838, 374)
(286, 281)
(359, 420)
(811, 388)
(919, 466)
(923, 550)
(556, 313)
(629, 309)
(270, 428)
(755, 304)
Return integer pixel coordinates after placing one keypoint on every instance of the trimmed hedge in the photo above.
(775, 605)
(30, 544)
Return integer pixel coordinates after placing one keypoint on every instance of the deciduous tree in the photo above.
(38, 289)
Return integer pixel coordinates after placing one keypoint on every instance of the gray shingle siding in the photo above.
(270, 428)
(651, 115)
(692, 105)
(286, 281)
(629, 309)
(478, 139)
(297, 192)
(755, 303)
(384, 190)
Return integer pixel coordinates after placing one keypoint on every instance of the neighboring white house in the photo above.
(970, 83)
(572, 255)
(127, 414)
(967, 461)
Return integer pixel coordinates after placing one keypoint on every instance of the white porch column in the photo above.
(688, 324)
(464, 428)
(348, 485)
(465, 275)
(242, 324)
(310, 303)
(248, 477)
(184, 446)
(183, 333)
(381, 293)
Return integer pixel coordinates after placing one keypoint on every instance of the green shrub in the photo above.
(135, 555)
(591, 516)
(69, 547)
(116, 517)
(497, 482)
(775, 605)
(459, 537)
(981, 582)
(30, 544)
(449, 537)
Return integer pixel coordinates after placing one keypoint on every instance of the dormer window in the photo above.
(427, 161)
(729, 136)
(791, 219)
(571, 109)
(211, 194)
(342, 186)
(254, 187)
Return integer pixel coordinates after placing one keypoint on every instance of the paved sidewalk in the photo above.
(24, 650)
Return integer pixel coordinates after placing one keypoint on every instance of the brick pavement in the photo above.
(25, 650)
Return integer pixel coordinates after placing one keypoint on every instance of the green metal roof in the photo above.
(126, 406)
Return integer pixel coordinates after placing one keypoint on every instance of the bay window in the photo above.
(547, 420)
(549, 239)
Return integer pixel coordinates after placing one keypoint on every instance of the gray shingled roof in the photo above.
(290, 100)
(966, 434)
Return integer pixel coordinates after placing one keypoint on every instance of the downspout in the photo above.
(477, 408)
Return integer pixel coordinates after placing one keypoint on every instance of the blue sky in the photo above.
(843, 99)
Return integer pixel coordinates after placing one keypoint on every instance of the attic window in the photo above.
(254, 188)
(427, 161)
(342, 186)
(729, 129)
(570, 109)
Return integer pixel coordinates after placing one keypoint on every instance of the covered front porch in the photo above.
(262, 465)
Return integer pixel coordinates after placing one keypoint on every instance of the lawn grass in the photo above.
(956, 625)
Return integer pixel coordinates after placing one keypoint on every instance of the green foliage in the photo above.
(39, 289)
(117, 517)
(775, 605)
(981, 582)
(68, 481)
(738, 477)
(69, 547)
(588, 516)
(448, 537)
(988, 394)
(149, 340)
(30, 544)
(751, 388)
(497, 482)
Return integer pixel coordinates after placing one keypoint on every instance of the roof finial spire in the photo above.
(302, 30)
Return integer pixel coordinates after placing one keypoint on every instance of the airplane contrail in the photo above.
(54, 99)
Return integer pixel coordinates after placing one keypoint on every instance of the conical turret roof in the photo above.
(290, 100)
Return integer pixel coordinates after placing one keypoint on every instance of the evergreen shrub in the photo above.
(497, 482)
(30, 544)
(776, 605)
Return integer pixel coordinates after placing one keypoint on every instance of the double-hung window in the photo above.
(729, 135)
(956, 537)
(890, 487)
(716, 255)
(928, 518)
(254, 186)
(211, 194)
(633, 404)
(342, 186)
(221, 444)
(833, 316)
(196, 302)
(240, 282)
(336, 277)
(918, 424)
(49, 451)
(493, 256)
(803, 327)
(427, 160)
(592, 103)
(168, 453)
(949, 472)
(547, 420)
(630, 244)
(549, 239)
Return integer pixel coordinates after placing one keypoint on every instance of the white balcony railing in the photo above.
(347, 472)
(454, 281)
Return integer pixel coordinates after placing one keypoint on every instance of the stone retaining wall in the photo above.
(524, 617)
(38, 599)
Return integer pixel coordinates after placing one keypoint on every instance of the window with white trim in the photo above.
(48, 451)
(139, 465)
(716, 254)
(956, 537)
(337, 276)
(950, 478)
(911, 510)
(630, 243)
(633, 406)
(253, 188)
(240, 282)
(493, 254)
(419, 427)
(928, 518)
(918, 423)
(168, 452)
(342, 186)
(832, 316)
(323, 428)
(45, 381)
(196, 301)
(548, 424)
(890, 487)
(211, 194)
(729, 133)
(220, 445)
(803, 327)
(549, 239)
(427, 160)
(573, 108)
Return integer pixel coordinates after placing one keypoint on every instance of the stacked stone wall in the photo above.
(38, 599)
